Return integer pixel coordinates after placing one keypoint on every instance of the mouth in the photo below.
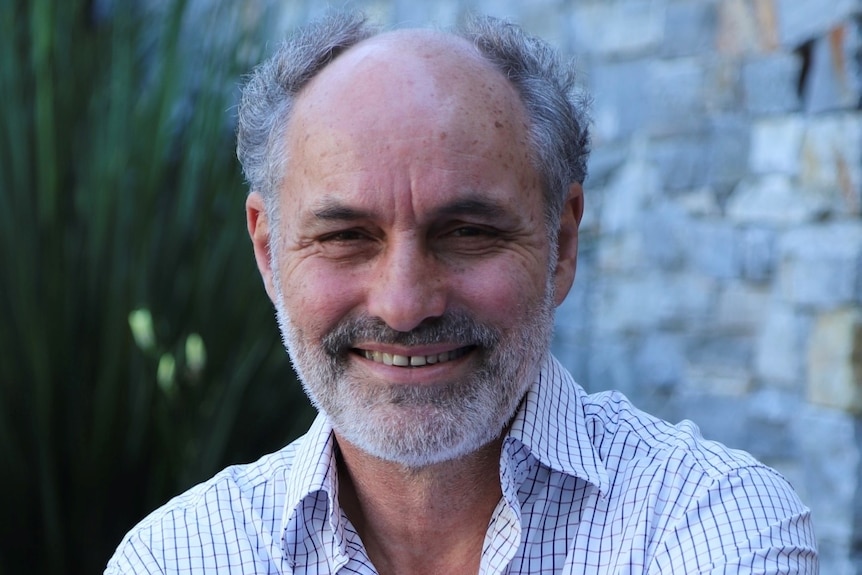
(399, 360)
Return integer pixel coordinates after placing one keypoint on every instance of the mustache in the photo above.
(453, 327)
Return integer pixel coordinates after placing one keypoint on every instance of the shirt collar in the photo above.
(312, 487)
(313, 468)
(551, 424)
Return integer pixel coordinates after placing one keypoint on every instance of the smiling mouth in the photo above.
(413, 360)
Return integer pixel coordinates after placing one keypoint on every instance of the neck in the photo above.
(427, 520)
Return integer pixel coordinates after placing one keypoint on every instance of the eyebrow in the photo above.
(475, 204)
(333, 210)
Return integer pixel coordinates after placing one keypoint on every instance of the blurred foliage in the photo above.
(138, 351)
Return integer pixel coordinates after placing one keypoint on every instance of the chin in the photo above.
(417, 436)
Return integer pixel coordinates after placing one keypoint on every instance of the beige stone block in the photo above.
(835, 360)
(747, 26)
(829, 159)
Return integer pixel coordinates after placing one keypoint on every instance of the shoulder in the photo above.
(238, 508)
(698, 502)
(624, 436)
(641, 451)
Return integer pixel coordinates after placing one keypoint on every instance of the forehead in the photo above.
(408, 83)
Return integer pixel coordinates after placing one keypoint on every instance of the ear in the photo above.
(258, 230)
(567, 242)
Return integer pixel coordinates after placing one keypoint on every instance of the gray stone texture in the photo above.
(770, 83)
(819, 265)
(674, 97)
(689, 28)
(803, 20)
(439, 12)
(776, 144)
(834, 81)
(619, 92)
(742, 308)
(728, 148)
(775, 200)
(828, 442)
(723, 87)
(720, 276)
(780, 348)
(756, 254)
(711, 248)
(613, 29)
(682, 161)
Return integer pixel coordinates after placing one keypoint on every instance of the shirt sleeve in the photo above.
(749, 521)
(133, 557)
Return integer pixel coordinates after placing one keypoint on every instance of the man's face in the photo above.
(411, 265)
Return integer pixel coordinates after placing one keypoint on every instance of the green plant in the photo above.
(121, 200)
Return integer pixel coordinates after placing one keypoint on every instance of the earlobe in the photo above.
(567, 243)
(258, 230)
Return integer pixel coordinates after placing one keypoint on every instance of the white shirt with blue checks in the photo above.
(590, 485)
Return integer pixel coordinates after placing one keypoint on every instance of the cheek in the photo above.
(501, 293)
(317, 298)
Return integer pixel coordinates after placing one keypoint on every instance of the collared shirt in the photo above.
(590, 485)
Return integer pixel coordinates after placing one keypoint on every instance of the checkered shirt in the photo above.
(590, 485)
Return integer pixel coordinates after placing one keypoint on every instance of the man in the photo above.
(414, 209)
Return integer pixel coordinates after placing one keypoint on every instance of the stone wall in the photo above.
(721, 270)
(723, 275)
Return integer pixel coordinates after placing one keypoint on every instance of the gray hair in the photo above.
(269, 95)
(557, 111)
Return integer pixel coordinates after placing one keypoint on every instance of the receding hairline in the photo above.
(417, 40)
(408, 47)
(393, 63)
(396, 61)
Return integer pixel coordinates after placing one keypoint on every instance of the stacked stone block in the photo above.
(725, 258)
(720, 277)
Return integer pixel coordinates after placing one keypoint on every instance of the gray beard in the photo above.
(417, 426)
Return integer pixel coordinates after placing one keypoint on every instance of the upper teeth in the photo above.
(412, 360)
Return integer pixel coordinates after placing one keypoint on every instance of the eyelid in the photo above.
(479, 227)
(339, 235)
(474, 229)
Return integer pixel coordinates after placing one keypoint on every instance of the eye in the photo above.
(469, 239)
(351, 235)
(348, 245)
(468, 231)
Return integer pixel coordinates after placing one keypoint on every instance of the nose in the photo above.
(407, 286)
